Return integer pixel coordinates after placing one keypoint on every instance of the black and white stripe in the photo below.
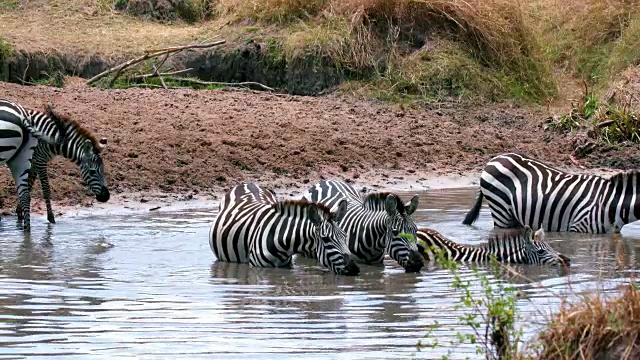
(253, 226)
(79, 146)
(373, 223)
(523, 191)
(521, 246)
(19, 136)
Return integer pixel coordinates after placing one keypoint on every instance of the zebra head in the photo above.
(331, 249)
(539, 251)
(92, 168)
(399, 224)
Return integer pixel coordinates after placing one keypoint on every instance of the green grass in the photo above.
(9, 4)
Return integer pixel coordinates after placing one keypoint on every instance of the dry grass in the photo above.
(85, 26)
(493, 49)
(595, 328)
(592, 39)
(399, 41)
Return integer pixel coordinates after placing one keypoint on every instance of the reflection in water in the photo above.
(147, 285)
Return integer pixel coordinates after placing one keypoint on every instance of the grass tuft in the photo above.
(595, 328)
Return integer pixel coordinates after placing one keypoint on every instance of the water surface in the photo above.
(145, 285)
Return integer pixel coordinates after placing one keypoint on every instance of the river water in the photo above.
(144, 284)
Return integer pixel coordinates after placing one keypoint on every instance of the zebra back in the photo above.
(524, 191)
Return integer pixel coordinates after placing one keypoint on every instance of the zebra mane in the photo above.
(288, 206)
(516, 234)
(376, 201)
(67, 121)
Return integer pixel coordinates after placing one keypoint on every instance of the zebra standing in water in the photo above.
(373, 223)
(79, 146)
(520, 246)
(253, 227)
(523, 191)
(19, 135)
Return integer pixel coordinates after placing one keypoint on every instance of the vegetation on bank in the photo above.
(426, 49)
(594, 327)
(597, 327)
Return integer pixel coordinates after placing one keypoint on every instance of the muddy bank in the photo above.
(200, 143)
(256, 61)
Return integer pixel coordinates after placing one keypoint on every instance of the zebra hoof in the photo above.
(51, 218)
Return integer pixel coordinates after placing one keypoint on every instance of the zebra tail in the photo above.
(472, 215)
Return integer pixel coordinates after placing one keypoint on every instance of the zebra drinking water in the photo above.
(373, 223)
(79, 146)
(19, 135)
(523, 191)
(253, 226)
(519, 246)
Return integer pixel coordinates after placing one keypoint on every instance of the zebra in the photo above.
(79, 146)
(253, 226)
(373, 223)
(518, 246)
(523, 191)
(19, 135)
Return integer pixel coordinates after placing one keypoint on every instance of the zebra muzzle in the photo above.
(414, 262)
(351, 268)
(104, 195)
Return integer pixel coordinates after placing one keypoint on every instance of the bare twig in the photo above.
(605, 123)
(200, 82)
(155, 71)
(184, 47)
(575, 162)
(148, 55)
(156, 74)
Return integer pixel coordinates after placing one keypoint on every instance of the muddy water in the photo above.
(145, 284)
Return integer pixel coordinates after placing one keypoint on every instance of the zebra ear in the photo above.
(341, 211)
(102, 143)
(540, 235)
(528, 233)
(412, 205)
(391, 205)
(314, 217)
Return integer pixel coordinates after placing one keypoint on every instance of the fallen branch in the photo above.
(157, 74)
(148, 55)
(575, 162)
(605, 123)
(200, 82)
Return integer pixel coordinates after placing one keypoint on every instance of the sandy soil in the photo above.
(190, 143)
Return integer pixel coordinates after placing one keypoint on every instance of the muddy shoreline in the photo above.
(189, 143)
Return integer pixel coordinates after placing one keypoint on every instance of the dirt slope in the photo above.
(202, 142)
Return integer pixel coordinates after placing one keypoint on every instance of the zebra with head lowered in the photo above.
(519, 246)
(254, 227)
(19, 135)
(79, 146)
(523, 191)
(373, 223)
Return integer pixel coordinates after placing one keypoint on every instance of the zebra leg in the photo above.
(20, 172)
(20, 166)
(19, 210)
(46, 191)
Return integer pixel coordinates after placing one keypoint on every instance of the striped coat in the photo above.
(520, 246)
(79, 146)
(524, 191)
(254, 227)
